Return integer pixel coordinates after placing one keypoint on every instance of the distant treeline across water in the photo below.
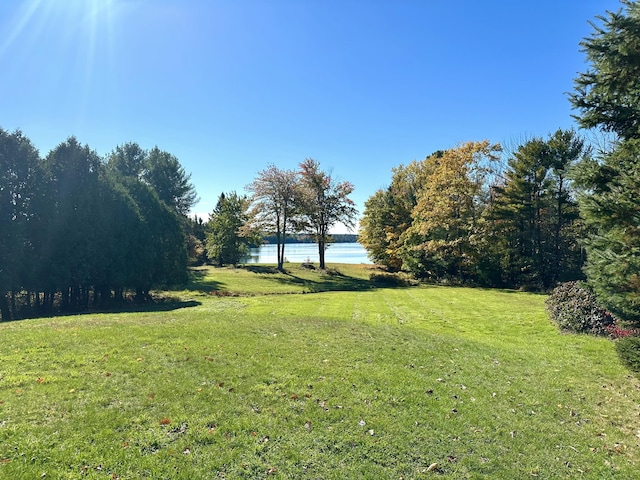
(305, 238)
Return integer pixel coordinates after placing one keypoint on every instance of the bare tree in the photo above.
(274, 197)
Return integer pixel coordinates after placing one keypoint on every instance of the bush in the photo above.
(628, 349)
(619, 331)
(574, 308)
(391, 280)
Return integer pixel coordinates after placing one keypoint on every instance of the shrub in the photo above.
(628, 349)
(391, 280)
(574, 308)
(618, 331)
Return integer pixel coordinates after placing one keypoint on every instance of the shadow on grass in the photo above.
(129, 305)
(198, 282)
(331, 280)
(268, 269)
(302, 280)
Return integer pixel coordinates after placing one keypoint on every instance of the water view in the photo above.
(302, 252)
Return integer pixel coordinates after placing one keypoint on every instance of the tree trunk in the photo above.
(5, 313)
(321, 250)
(13, 301)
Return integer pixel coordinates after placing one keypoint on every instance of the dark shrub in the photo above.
(391, 279)
(629, 352)
(574, 308)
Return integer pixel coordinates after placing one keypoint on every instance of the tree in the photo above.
(388, 213)
(275, 197)
(128, 160)
(19, 179)
(73, 228)
(535, 213)
(607, 95)
(227, 233)
(163, 172)
(440, 241)
(374, 225)
(326, 203)
(610, 207)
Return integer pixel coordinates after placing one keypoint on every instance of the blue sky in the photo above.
(232, 86)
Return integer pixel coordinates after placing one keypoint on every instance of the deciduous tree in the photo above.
(440, 241)
(275, 195)
(325, 203)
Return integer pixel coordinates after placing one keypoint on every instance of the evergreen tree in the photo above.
(19, 181)
(610, 207)
(607, 96)
(535, 215)
(163, 172)
(227, 232)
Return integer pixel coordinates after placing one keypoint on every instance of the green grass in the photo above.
(371, 383)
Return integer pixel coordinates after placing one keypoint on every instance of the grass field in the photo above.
(352, 382)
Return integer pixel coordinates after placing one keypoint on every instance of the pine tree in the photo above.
(607, 96)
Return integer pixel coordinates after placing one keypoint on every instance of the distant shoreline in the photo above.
(306, 238)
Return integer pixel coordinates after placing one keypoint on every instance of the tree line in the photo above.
(461, 215)
(558, 210)
(79, 230)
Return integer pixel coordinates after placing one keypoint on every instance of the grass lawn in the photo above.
(418, 382)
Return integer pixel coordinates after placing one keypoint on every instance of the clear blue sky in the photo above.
(232, 86)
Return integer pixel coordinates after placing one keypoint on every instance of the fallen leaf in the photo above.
(294, 397)
(432, 467)
(165, 421)
(40, 380)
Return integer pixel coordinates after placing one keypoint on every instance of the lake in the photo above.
(302, 252)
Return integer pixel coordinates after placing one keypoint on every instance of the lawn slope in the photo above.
(419, 382)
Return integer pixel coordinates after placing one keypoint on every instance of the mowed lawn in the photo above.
(415, 382)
